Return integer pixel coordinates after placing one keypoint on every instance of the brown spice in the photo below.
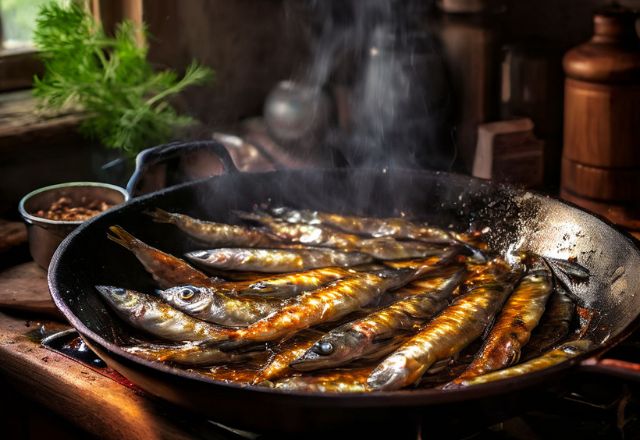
(64, 209)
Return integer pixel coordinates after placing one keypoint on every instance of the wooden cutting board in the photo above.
(24, 287)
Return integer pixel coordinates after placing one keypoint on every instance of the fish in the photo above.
(191, 354)
(287, 285)
(287, 351)
(561, 354)
(377, 334)
(150, 314)
(212, 233)
(445, 335)
(396, 227)
(382, 248)
(554, 325)
(326, 304)
(166, 270)
(339, 381)
(512, 329)
(218, 307)
(275, 260)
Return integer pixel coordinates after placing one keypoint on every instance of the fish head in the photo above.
(218, 256)
(189, 299)
(333, 349)
(392, 374)
(121, 298)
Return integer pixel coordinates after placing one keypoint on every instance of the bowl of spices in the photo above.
(52, 212)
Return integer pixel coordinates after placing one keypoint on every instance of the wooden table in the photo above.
(90, 401)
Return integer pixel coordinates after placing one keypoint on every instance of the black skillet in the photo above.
(513, 218)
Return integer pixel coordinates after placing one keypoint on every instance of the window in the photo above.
(18, 63)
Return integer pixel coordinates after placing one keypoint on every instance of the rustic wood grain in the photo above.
(89, 400)
(24, 287)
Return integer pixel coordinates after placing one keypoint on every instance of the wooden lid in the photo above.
(613, 53)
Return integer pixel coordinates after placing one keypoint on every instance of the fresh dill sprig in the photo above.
(125, 100)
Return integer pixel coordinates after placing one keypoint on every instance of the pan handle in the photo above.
(171, 164)
(612, 367)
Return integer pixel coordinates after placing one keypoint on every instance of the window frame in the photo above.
(19, 66)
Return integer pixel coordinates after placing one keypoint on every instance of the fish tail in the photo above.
(161, 216)
(123, 238)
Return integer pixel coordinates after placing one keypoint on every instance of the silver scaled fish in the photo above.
(444, 336)
(512, 329)
(166, 270)
(275, 260)
(154, 316)
(377, 333)
(563, 353)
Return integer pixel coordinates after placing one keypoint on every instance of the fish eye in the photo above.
(324, 348)
(186, 293)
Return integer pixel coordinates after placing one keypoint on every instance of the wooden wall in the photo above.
(251, 45)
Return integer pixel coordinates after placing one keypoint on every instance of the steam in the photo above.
(397, 99)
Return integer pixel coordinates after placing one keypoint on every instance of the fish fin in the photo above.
(488, 327)
(160, 216)
(561, 278)
(122, 237)
(569, 268)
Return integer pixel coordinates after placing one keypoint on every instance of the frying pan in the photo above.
(513, 218)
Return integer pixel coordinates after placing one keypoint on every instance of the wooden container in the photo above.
(601, 155)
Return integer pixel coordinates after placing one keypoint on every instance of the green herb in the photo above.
(109, 78)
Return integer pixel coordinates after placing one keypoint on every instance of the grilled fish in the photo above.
(166, 270)
(326, 304)
(213, 305)
(215, 234)
(565, 352)
(340, 381)
(275, 260)
(382, 248)
(278, 365)
(287, 285)
(191, 354)
(397, 227)
(554, 325)
(514, 325)
(444, 336)
(154, 316)
(377, 333)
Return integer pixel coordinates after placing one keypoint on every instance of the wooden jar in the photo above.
(601, 155)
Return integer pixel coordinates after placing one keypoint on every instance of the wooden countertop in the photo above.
(89, 400)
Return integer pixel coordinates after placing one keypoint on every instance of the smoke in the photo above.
(383, 69)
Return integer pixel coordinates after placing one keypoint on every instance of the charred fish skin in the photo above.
(154, 316)
(275, 260)
(554, 325)
(189, 354)
(326, 304)
(563, 353)
(216, 234)
(512, 329)
(370, 335)
(215, 306)
(345, 381)
(443, 337)
(166, 270)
